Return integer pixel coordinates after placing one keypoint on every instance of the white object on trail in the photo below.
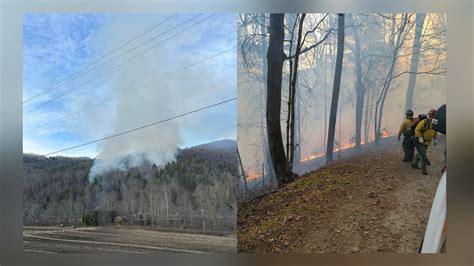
(435, 230)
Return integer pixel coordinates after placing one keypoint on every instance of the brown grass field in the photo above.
(120, 239)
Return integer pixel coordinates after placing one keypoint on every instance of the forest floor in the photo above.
(366, 203)
(119, 239)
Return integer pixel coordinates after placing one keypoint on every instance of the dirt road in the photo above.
(370, 202)
(48, 239)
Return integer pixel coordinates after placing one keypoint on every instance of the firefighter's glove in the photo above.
(420, 140)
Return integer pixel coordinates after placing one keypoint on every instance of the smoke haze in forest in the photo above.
(316, 75)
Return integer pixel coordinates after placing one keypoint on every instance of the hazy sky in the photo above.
(58, 45)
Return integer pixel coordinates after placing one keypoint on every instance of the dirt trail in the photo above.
(371, 202)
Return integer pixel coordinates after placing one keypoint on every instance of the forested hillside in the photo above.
(195, 192)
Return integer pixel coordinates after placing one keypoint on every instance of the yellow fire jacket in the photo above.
(425, 131)
(406, 124)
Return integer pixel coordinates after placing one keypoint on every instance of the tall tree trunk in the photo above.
(294, 78)
(275, 57)
(336, 87)
(366, 119)
(263, 51)
(297, 153)
(420, 20)
(359, 88)
(339, 137)
(332, 57)
(325, 100)
(291, 23)
(297, 107)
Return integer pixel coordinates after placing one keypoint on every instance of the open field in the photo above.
(112, 239)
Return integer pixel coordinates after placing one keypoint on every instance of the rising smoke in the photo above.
(157, 144)
(163, 99)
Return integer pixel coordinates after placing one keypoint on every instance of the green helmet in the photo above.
(409, 113)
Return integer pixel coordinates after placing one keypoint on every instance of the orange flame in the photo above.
(312, 157)
(385, 133)
(254, 176)
(343, 147)
(251, 177)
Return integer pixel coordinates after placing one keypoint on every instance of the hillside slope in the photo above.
(221, 150)
(367, 203)
(193, 190)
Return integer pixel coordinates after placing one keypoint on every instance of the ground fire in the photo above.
(343, 147)
(385, 133)
(252, 176)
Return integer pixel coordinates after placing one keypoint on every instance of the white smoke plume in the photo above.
(161, 100)
(158, 143)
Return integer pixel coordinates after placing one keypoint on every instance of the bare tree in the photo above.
(276, 57)
(292, 96)
(336, 87)
(254, 46)
(397, 37)
(415, 57)
(359, 86)
(263, 50)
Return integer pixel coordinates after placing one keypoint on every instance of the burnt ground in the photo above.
(119, 239)
(366, 203)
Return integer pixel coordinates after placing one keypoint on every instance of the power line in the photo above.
(145, 126)
(124, 62)
(133, 89)
(52, 87)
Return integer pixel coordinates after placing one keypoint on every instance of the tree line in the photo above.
(195, 192)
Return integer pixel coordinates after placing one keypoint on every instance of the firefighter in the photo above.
(424, 134)
(408, 145)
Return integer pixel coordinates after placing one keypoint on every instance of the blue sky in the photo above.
(58, 45)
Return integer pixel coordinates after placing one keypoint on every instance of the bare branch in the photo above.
(314, 29)
(430, 72)
(310, 47)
